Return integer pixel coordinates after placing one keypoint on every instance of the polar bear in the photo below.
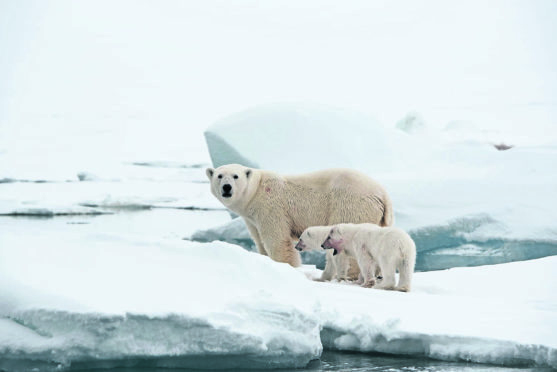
(340, 266)
(390, 248)
(277, 209)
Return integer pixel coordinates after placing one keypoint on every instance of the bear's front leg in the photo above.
(284, 252)
(278, 243)
(256, 238)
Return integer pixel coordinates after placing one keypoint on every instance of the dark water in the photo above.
(346, 361)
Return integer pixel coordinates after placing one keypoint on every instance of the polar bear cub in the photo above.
(339, 267)
(388, 248)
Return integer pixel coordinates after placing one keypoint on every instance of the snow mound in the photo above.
(411, 123)
(305, 136)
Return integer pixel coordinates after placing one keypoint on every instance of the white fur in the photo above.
(339, 267)
(389, 248)
(277, 209)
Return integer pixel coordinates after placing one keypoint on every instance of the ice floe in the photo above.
(130, 301)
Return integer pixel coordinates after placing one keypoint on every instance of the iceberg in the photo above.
(464, 202)
(298, 138)
(135, 302)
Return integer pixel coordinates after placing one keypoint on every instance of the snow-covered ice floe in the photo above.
(104, 302)
(114, 302)
(463, 201)
(103, 197)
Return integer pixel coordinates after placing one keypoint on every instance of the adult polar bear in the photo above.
(277, 209)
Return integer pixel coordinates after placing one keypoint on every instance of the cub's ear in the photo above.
(209, 172)
(248, 173)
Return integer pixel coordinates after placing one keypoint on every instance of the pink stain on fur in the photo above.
(267, 189)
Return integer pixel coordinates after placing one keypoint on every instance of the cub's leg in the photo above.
(343, 265)
(367, 268)
(388, 269)
(406, 270)
(330, 268)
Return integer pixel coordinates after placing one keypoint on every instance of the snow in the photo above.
(133, 298)
(236, 232)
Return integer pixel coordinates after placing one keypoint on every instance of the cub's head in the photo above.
(334, 240)
(230, 182)
(311, 238)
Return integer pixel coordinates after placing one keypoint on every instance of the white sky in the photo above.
(173, 67)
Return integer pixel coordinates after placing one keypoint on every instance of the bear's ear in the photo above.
(248, 173)
(209, 172)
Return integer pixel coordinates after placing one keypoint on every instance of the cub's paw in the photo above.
(369, 284)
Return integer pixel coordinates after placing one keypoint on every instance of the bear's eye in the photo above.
(235, 176)
(220, 176)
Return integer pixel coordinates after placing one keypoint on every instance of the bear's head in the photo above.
(230, 183)
(334, 240)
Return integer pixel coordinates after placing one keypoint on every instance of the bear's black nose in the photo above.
(226, 188)
(322, 246)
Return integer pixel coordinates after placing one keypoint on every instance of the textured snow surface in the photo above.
(110, 301)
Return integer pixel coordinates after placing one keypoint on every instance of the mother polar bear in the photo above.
(277, 209)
